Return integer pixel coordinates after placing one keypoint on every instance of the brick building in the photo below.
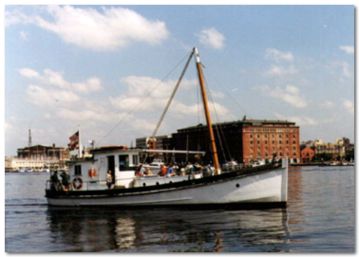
(307, 154)
(244, 141)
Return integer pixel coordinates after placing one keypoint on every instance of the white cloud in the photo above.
(347, 49)
(349, 106)
(290, 94)
(48, 97)
(28, 73)
(211, 38)
(299, 120)
(147, 94)
(104, 30)
(278, 56)
(279, 71)
(55, 78)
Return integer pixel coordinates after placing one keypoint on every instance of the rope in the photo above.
(172, 95)
(219, 129)
(146, 98)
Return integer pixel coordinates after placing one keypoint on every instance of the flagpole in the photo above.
(80, 146)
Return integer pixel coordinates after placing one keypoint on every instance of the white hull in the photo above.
(263, 187)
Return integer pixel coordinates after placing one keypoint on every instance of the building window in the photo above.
(251, 142)
(280, 141)
(78, 170)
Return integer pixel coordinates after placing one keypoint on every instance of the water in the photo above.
(320, 217)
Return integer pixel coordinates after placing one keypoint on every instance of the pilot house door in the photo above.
(111, 166)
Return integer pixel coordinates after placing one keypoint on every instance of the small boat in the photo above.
(88, 182)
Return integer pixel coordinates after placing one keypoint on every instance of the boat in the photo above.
(88, 183)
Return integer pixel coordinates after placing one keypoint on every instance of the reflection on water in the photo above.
(164, 230)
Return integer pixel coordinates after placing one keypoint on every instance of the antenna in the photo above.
(30, 139)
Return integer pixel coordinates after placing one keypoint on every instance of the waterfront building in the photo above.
(245, 141)
(307, 154)
(38, 157)
(40, 152)
(327, 151)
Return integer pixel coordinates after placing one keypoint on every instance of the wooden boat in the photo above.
(264, 185)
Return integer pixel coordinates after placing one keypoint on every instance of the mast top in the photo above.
(196, 54)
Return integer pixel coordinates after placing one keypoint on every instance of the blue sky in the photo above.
(103, 69)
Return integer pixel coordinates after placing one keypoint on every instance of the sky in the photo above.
(109, 70)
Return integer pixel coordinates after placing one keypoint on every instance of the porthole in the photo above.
(237, 185)
(144, 184)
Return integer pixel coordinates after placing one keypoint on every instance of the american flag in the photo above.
(74, 141)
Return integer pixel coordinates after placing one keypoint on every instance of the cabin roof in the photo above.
(112, 148)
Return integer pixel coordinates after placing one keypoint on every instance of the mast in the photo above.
(206, 111)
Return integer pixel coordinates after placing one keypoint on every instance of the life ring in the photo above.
(77, 183)
(92, 172)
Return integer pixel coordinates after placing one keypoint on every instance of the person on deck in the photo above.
(65, 180)
(109, 179)
(163, 170)
(55, 182)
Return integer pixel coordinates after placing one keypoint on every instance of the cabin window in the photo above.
(135, 159)
(124, 162)
(78, 170)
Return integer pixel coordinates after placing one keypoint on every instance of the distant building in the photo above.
(37, 157)
(41, 152)
(162, 142)
(244, 141)
(340, 150)
(307, 154)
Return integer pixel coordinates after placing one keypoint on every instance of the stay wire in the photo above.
(219, 131)
(146, 97)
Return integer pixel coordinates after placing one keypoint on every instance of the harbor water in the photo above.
(320, 217)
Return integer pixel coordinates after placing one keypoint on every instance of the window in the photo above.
(78, 170)
(124, 162)
(135, 159)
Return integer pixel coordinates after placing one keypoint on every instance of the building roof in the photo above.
(39, 146)
(246, 122)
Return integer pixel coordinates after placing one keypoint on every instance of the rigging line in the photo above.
(223, 86)
(217, 125)
(146, 97)
(219, 129)
(172, 95)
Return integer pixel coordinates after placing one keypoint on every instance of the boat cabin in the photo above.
(91, 173)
